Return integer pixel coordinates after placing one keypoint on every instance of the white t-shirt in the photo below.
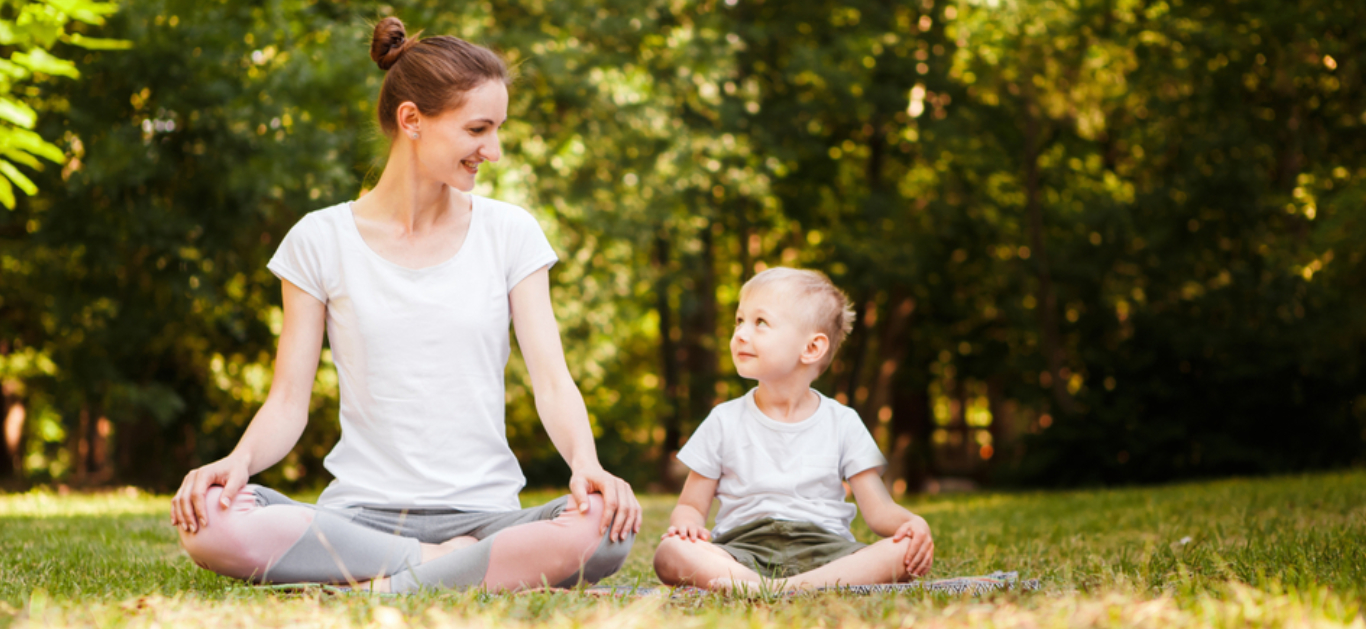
(772, 469)
(420, 356)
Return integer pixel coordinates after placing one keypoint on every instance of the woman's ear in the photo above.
(409, 119)
(815, 349)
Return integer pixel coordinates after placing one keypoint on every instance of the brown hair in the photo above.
(433, 73)
(814, 298)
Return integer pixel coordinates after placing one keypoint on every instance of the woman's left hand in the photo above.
(622, 512)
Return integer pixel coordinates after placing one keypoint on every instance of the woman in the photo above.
(415, 284)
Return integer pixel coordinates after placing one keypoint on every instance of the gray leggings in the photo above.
(362, 543)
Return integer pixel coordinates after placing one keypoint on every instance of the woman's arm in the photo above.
(277, 425)
(561, 407)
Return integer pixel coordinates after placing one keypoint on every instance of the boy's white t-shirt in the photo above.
(771, 469)
(420, 357)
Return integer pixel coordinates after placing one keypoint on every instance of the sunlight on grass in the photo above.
(46, 504)
(1231, 606)
(1275, 552)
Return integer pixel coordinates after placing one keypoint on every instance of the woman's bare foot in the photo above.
(429, 552)
(432, 551)
(380, 585)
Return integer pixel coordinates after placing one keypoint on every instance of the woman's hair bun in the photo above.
(390, 42)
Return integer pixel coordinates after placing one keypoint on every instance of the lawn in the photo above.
(1287, 551)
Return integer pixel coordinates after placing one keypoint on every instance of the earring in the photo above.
(412, 134)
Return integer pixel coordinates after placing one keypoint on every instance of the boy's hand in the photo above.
(690, 532)
(920, 552)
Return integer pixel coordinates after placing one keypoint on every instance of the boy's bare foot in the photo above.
(750, 589)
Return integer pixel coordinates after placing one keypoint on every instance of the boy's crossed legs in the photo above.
(780, 556)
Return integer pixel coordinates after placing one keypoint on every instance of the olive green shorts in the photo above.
(779, 549)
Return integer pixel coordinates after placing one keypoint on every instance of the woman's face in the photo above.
(453, 145)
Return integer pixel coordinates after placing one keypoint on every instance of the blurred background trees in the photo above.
(1089, 242)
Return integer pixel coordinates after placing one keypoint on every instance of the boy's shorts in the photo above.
(778, 549)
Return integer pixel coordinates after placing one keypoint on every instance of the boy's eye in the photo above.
(761, 322)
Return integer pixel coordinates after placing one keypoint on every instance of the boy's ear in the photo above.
(815, 349)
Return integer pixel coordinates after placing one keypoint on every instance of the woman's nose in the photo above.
(493, 150)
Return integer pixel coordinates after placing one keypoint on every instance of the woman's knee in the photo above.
(219, 545)
(233, 544)
(608, 558)
(582, 526)
(596, 553)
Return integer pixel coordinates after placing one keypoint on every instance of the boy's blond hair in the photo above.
(824, 306)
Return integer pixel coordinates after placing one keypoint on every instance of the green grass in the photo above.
(1285, 551)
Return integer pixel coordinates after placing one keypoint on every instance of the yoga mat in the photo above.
(973, 586)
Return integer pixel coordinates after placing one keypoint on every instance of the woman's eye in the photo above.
(478, 130)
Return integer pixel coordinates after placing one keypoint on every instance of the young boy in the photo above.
(775, 459)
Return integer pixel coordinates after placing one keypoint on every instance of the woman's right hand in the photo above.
(188, 511)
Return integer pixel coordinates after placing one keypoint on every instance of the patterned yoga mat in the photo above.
(973, 586)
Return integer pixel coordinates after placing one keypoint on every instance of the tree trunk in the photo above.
(78, 446)
(101, 438)
(1047, 298)
(701, 363)
(911, 455)
(856, 349)
(1003, 430)
(15, 415)
(962, 433)
(891, 348)
(669, 380)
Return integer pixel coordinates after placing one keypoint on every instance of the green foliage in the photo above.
(189, 190)
(29, 30)
(1088, 242)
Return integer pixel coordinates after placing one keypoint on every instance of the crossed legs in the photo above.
(706, 565)
(292, 542)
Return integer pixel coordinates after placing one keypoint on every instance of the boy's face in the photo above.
(770, 336)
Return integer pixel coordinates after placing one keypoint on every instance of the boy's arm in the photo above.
(689, 518)
(889, 519)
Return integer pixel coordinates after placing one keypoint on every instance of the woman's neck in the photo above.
(404, 197)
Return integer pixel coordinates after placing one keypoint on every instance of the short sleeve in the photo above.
(860, 449)
(702, 452)
(300, 258)
(528, 249)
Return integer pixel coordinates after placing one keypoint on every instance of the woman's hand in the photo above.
(188, 510)
(622, 512)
